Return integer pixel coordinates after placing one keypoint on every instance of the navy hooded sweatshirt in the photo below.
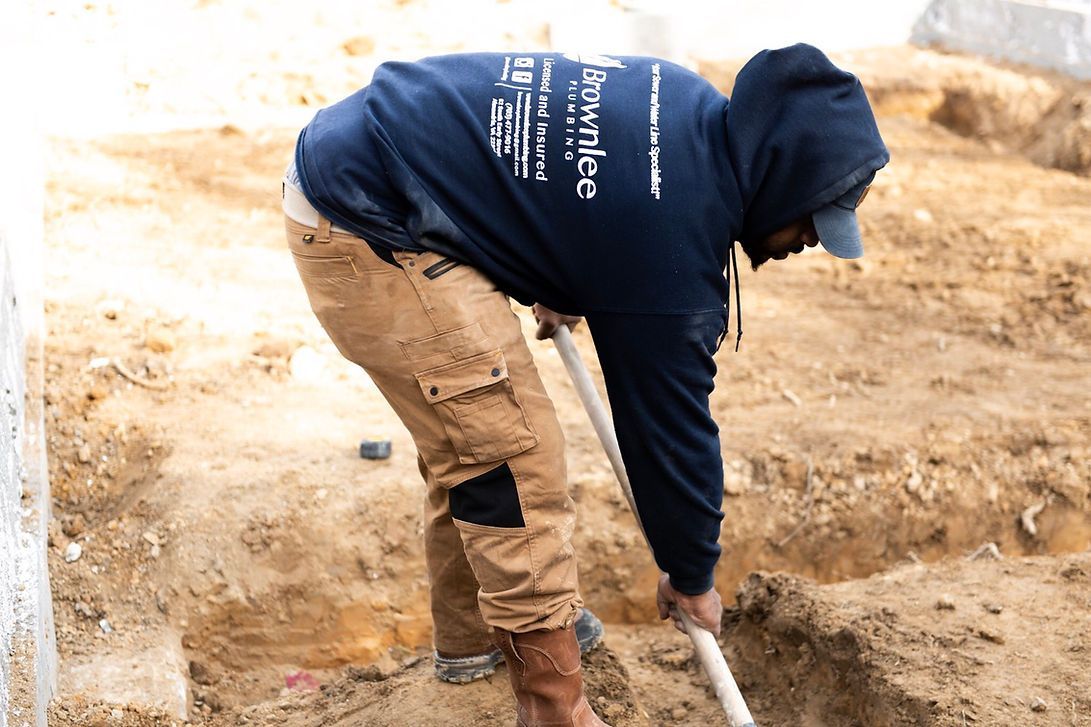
(607, 187)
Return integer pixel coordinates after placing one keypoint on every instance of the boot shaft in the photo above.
(544, 669)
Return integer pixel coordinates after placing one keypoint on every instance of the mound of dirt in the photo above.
(990, 643)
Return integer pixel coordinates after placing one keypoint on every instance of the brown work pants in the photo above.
(444, 347)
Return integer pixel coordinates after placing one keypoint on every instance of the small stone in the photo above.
(306, 364)
(151, 537)
(914, 482)
(945, 603)
(160, 340)
(993, 607)
(73, 552)
(1028, 515)
(98, 392)
(600, 699)
(83, 609)
(792, 397)
(84, 454)
(105, 626)
(200, 673)
(1038, 705)
(154, 551)
(923, 215)
(116, 714)
(679, 713)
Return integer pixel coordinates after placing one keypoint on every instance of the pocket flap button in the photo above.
(495, 372)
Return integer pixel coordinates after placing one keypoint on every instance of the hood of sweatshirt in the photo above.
(800, 134)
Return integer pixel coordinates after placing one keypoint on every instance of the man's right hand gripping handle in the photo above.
(705, 609)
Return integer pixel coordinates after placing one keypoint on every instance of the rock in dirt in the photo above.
(306, 365)
(792, 397)
(1027, 518)
(73, 552)
(201, 674)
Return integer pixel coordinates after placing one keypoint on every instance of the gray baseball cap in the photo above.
(836, 224)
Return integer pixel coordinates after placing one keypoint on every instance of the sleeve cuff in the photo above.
(692, 586)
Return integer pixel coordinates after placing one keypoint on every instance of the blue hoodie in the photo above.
(611, 188)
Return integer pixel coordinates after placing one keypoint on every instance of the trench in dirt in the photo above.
(247, 646)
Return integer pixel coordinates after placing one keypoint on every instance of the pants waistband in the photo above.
(297, 207)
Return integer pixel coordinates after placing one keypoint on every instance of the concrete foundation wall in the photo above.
(1048, 33)
(27, 643)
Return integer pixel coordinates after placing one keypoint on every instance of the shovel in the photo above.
(708, 651)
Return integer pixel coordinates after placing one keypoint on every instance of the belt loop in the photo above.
(323, 230)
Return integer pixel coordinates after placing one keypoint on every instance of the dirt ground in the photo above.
(883, 420)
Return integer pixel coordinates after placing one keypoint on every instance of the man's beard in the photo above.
(755, 255)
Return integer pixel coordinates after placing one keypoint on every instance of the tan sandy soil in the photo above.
(900, 410)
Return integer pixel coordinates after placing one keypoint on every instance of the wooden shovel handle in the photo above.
(708, 651)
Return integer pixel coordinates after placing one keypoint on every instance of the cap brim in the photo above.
(838, 231)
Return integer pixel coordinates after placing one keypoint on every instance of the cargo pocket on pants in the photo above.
(479, 409)
(501, 561)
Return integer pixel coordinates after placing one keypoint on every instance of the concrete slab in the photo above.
(1047, 33)
(153, 674)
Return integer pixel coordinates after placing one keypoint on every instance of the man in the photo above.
(607, 188)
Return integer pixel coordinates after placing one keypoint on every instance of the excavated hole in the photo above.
(1045, 119)
(242, 650)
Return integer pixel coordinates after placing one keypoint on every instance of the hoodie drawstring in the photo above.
(738, 298)
(734, 260)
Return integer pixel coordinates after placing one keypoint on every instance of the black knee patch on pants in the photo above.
(488, 499)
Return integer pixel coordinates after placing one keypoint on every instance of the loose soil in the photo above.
(884, 419)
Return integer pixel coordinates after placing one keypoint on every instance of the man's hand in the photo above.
(549, 321)
(705, 609)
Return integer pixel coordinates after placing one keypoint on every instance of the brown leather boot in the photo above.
(544, 668)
